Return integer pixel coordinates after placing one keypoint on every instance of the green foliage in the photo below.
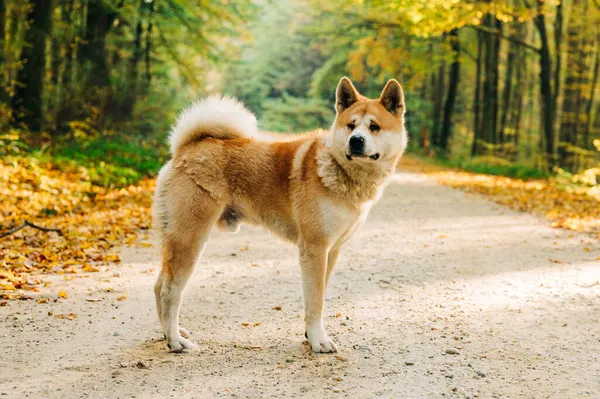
(295, 114)
(500, 167)
(417, 119)
(284, 59)
(125, 159)
(273, 76)
(109, 161)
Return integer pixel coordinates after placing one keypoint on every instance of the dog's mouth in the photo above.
(374, 157)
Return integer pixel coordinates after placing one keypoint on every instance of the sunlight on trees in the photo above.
(515, 80)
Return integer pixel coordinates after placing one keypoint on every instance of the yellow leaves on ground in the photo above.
(70, 316)
(93, 221)
(89, 268)
(578, 211)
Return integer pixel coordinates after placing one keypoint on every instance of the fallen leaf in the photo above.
(70, 316)
(122, 297)
(63, 294)
(89, 268)
(93, 299)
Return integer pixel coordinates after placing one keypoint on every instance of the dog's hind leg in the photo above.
(157, 288)
(182, 247)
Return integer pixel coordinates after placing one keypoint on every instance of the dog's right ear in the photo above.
(345, 95)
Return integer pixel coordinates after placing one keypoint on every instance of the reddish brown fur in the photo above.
(302, 190)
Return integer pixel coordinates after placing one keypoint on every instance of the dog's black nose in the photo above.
(357, 144)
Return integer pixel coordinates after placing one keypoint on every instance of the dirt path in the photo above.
(433, 270)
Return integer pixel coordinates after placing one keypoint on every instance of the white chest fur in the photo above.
(339, 222)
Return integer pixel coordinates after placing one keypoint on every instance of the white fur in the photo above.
(213, 111)
(387, 143)
(160, 209)
(337, 219)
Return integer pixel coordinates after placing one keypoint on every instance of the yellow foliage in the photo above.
(93, 220)
(578, 211)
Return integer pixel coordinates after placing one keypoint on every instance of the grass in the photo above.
(490, 165)
(499, 167)
(114, 162)
(109, 161)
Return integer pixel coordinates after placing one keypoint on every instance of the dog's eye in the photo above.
(374, 127)
(351, 126)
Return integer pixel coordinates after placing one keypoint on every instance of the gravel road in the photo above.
(442, 294)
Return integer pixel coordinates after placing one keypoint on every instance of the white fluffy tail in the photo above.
(216, 116)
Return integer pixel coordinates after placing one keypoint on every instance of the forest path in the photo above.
(434, 270)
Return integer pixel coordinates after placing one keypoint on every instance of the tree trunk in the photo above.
(149, 44)
(477, 97)
(520, 85)
(547, 98)
(438, 95)
(507, 93)
(64, 94)
(131, 85)
(27, 101)
(490, 86)
(3, 94)
(587, 143)
(453, 79)
(558, 33)
(91, 56)
(577, 82)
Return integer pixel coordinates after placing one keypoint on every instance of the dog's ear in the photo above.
(392, 98)
(345, 95)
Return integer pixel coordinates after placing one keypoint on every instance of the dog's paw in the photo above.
(181, 344)
(320, 341)
(184, 333)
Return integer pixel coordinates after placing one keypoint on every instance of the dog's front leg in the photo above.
(313, 261)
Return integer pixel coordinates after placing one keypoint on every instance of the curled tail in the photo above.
(216, 116)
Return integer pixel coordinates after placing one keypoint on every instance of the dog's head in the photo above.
(368, 131)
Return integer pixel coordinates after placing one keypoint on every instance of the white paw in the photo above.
(320, 341)
(179, 344)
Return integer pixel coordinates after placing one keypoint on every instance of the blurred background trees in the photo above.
(503, 83)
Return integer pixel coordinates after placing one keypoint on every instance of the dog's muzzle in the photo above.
(357, 149)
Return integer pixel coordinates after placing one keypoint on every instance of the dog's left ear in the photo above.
(392, 98)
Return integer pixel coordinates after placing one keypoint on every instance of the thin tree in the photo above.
(453, 79)
(27, 101)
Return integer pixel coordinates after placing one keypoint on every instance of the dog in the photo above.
(314, 190)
